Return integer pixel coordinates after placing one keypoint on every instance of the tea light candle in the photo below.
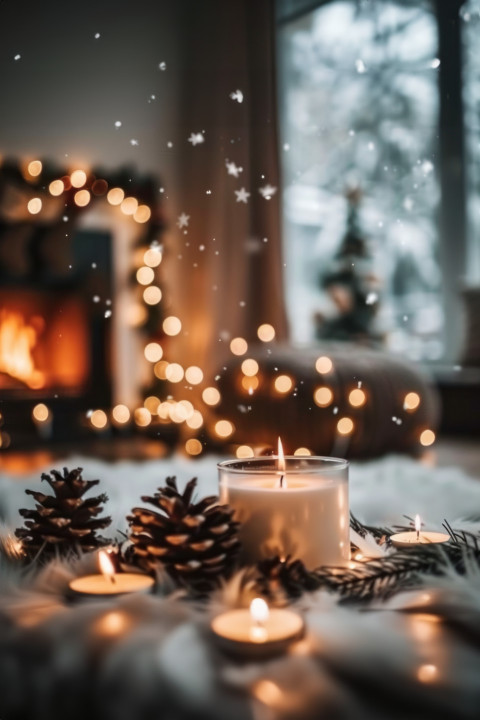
(418, 537)
(257, 631)
(109, 583)
(294, 506)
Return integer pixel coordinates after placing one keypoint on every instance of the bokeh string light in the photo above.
(202, 409)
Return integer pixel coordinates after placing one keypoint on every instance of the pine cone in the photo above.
(63, 522)
(196, 543)
(285, 578)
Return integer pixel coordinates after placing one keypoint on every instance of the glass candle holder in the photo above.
(292, 506)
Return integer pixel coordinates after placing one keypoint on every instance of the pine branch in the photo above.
(380, 578)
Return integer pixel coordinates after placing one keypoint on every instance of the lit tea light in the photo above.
(257, 631)
(108, 583)
(418, 536)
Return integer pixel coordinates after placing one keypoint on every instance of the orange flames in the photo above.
(18, 339)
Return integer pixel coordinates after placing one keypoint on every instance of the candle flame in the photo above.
(418, 523)
(259, 611)
(259, 614)
(281, 457)
(281, 465)
(106, 566)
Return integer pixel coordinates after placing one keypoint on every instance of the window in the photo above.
(362, 154)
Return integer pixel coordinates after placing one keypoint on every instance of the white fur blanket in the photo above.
(417, 656)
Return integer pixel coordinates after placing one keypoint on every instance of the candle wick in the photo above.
(113, 580)
(418, 535)
(281, 481)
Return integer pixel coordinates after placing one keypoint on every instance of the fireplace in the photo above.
(55, 343)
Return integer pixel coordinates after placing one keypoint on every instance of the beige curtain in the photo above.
(226, 270)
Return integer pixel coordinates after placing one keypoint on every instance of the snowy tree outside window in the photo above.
(359, 101)
(470, 16)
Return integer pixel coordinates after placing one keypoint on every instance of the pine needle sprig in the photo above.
(463, 537)
(379, 578)
(364, 530)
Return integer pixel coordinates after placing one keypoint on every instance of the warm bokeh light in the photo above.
(112, 624)
(357, 398)
(145, 275)
(188, 408)
(177, 412)
(250, 367)
(194, 375)
(152, 257)
(193, 446)
(427, 437)
(34, 168)
(152, 403)
(283, 383)
(323, 364)
(160, 370)
(142, 214)
(142, 417)
(82, 198)
(152, 295)
(302, 451)
(238, 346)
(266, 332)
(195, 421)
(129, 206)
(244, 451)
(56, 187)
(115, 196)
(269, 693)
(98, 419)
(40, 412)
(34, 206)
(121, 414)
(153, 352)
(345, 426)
(427, 673)
(411, 401)
(323, 396)
(174, 372)
(224, 428)
(211, 396)
(136, 314)
(78, 178)
(250, 383)
(171, 325)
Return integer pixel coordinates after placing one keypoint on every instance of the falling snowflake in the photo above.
(118, 123)
(237, 95)
(371, 298)
(108, 313)
(162, 66)
(268, 191)
(17, 57)
(435, 63)
(96, 298)
(133, 142)
(233, 169)
(242, 195)
(286, 147)
(183, 220)
(196, 138)
(97, 35)
(360, 66)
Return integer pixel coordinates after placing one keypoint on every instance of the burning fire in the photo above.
(18, 338)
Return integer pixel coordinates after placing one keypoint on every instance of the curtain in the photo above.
(225, 266)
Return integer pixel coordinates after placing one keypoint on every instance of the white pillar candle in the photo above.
(300, 510)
